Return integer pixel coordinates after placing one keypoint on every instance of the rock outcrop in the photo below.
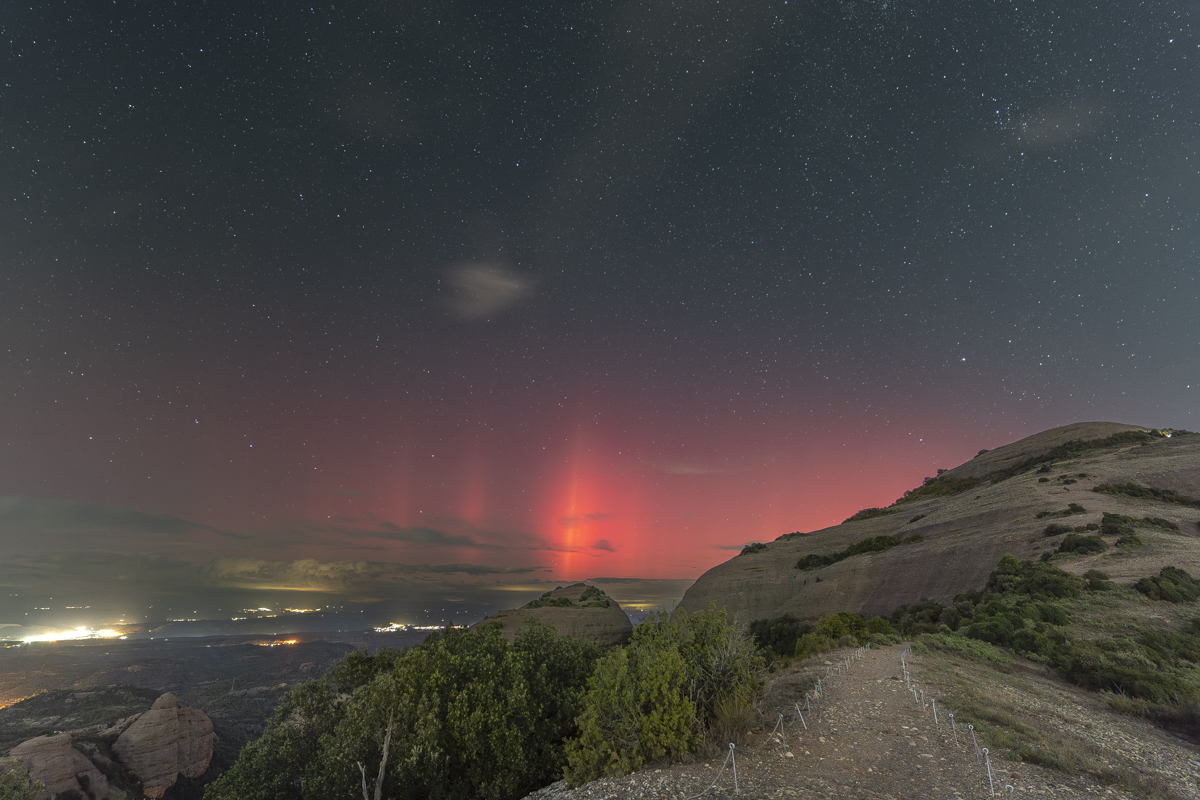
(55, 762)
(163, 743)
(955, 538)
(580, 611)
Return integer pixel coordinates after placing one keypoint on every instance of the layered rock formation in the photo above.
(580, 611)
(153, 747)
(163, 743)
(963, 533)
(55, 762)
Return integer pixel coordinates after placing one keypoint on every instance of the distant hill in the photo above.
(947, 535)
(581, 611)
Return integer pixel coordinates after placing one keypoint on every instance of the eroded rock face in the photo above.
(163, 742)
(55, 762)
(580, 616)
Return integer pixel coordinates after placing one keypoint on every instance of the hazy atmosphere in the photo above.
(411, 311)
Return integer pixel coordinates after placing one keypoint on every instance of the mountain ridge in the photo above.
(987, 507)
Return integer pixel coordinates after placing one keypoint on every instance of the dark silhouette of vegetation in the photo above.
(1073, 508)
(1096, 581)
(591, 597)
(778, 635)
(1147, 493)
(939, 486)
(753, 547)
(875, 544)
(785, 637)
(870, 513)
(594, 598)
(1083, 545)
(1172, 585)
(1120, 524)
(1055, 529)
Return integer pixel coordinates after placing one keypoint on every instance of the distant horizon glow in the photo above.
(390, 310)
(81, 632)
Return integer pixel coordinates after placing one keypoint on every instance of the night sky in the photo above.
(409, 304)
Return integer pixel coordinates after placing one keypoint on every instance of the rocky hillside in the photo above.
(1025, 498)
(146, 753)
(580, 611)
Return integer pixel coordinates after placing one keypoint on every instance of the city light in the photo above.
(78, 633)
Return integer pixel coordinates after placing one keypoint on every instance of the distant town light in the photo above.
(77, 633)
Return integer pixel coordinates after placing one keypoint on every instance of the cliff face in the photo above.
(153, 748)
(963, 535)
(580, 611)
(56, 763)
(165, 742)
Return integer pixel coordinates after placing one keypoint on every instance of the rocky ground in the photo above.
(868, 738)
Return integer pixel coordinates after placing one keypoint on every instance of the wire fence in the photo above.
(813, 702)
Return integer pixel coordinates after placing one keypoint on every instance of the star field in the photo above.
(592, 288)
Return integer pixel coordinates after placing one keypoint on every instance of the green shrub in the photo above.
(917, 517)
(1129, 540)
(473, 716)
(1055, 529)
(1147, 493)
(1172, 585)
(870, 513)
(778, 635)
(1052, 614)
(1097, 581)
(1044, 480)
(940, 486)
(916, 537)
(594, 598)
(1115, 524)
(550, 602)
(655, 698)
(636, 711)
(753, 547)
(1074, 543)
(17, 783)
(1075, 508)
(875, 544)
(814, 561)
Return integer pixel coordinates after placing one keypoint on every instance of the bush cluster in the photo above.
(594, 598)
(786, 636)
(875, 544)
(1147, 493)
(753, 547)
(1172, 584)
(678, 678)
(870, 513)
(469, 715)
(1083, 545)
(940, 486)
(17, 783)
(1018, 610)
(1120, 524)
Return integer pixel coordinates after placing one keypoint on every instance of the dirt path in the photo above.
(866, 738)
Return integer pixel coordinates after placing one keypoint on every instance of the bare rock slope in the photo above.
(973, 514)
(165, 742)
(580, 611)
(151, 749)
(61, 768)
